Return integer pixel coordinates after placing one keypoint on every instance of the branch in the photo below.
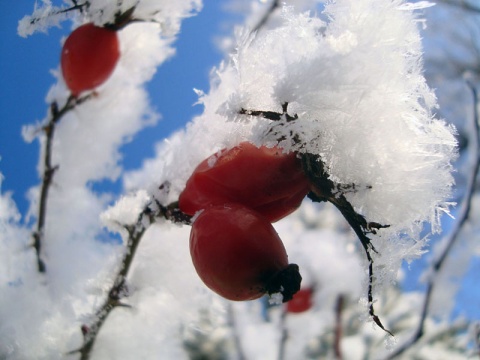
(119, 288)
(453, 236)
(49, 170)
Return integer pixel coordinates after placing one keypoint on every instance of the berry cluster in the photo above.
(237, 194)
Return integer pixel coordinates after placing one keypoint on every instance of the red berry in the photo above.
(264, 179)
(238, 254)
(89, 57)
(301, 301)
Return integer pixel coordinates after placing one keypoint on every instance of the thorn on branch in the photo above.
(37, 245)
(120, 304)
(372, 227)
(377, 321)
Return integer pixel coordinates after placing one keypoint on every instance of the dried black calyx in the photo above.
(286, 282)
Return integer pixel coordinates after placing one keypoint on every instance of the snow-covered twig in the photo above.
(453, 236)
(49, 169)
(119, 288)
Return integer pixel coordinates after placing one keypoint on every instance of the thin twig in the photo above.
(275, 4)
(119, 288)
(453, 236)
(338, 327)
(49, 170)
